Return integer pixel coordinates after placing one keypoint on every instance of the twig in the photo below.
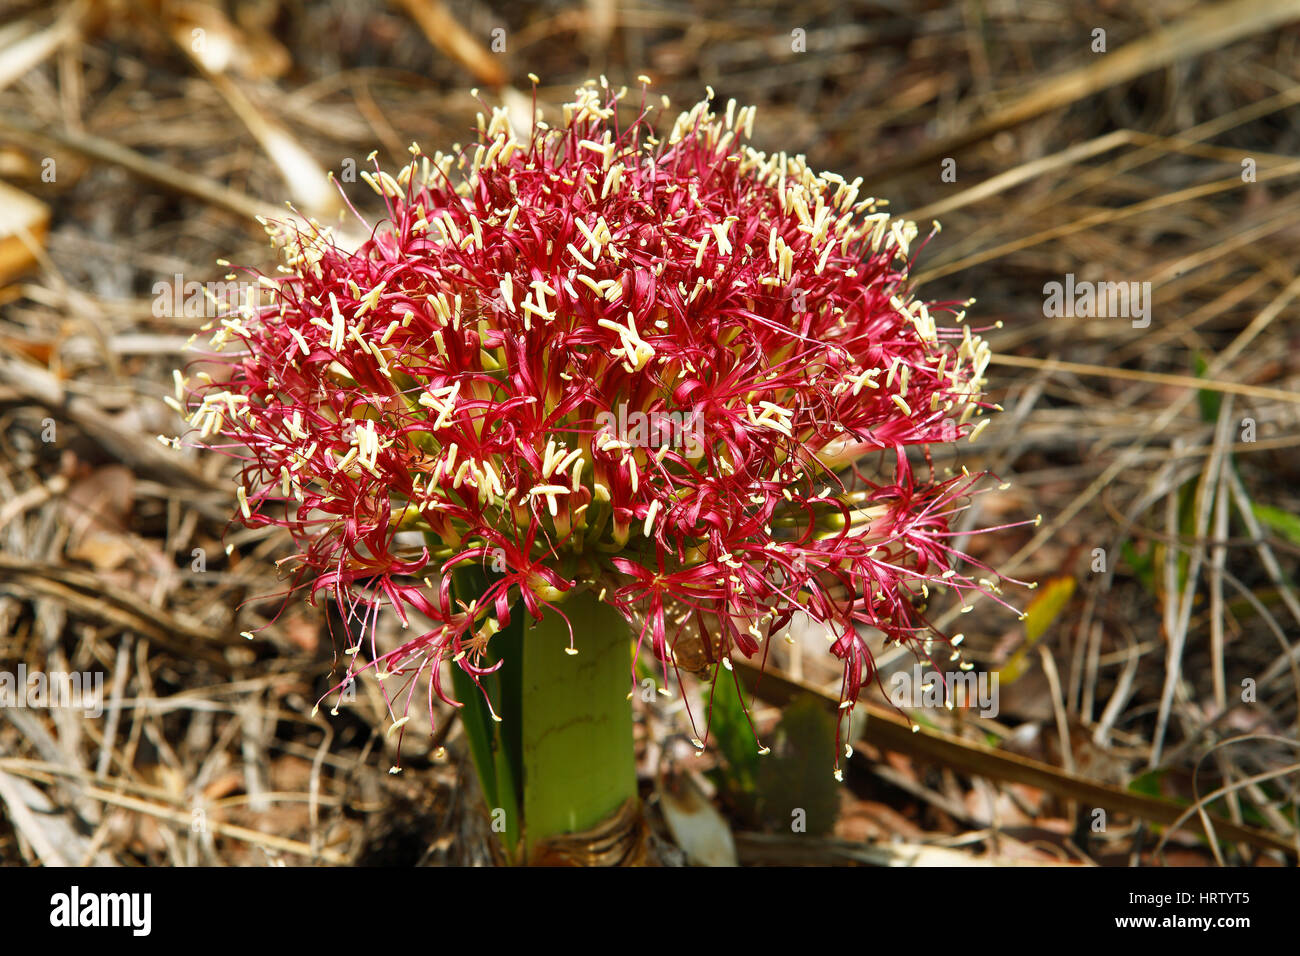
(1203, 30)
(151, 170)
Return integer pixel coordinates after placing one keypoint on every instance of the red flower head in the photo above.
(597, 356)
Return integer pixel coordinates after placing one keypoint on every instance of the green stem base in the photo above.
(579, 768)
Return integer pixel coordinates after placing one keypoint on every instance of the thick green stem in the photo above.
(578, 763)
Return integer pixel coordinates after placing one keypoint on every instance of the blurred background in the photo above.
(1158, 669)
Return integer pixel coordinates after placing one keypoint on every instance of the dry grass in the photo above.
(1158, 445)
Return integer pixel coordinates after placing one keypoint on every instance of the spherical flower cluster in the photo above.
(650, 361)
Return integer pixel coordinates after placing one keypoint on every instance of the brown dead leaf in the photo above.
(97, 508)
(988, 805)
(232, 781)
(100, 500)
(24, 221)
(290, 774)
(302, 630)
(103, 550)
(863, 821)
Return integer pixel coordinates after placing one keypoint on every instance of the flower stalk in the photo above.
(558, 767)
(578, 762)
